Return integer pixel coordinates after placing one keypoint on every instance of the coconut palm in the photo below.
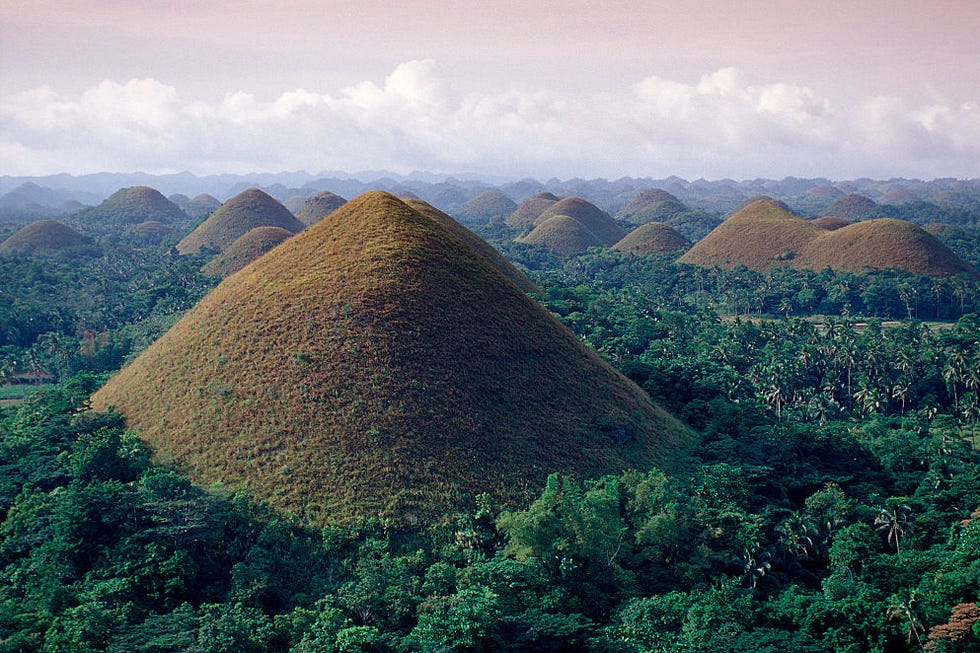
(893, 523)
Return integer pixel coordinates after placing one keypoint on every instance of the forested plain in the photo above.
(833, 503)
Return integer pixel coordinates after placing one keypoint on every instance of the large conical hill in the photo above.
(244, 250)
(318, 207)
(127, 207)
(42, 237)
(249, 209)
(377, 364)
(563, 236)
(595, 219)
(652, 238)
(762, 235)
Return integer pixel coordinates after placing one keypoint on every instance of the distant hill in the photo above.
(377, 364)
(595, 219)
(249, 209)
(319, 206)
(652, 238)
(530, 209)
(42, 237)
(562, 235)
(245, 249)
(651, 205)
(202, 205)
(488, 206)
(852, 207)
(830, 222)
(127, 207)
(764, 235)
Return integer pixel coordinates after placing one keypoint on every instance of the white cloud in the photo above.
(722, 125)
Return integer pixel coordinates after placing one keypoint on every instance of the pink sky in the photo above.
(826, 88)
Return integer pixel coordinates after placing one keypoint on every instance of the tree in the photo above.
(893, 522)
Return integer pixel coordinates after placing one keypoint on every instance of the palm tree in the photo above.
(893, 523)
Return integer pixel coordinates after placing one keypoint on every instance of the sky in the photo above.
(693, 88)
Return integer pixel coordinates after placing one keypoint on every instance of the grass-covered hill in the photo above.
(318, 207)
(376, 363)
(201, 205)
(853, 207)
(883, 243)
(764, 235)
(245, 249)
(482, 247)
(490, 205)
(595, 219)
(127, 207)
(651, 205)
(42, 237)
(652, 238)
(530, 209)
(562, 235)
(249, 209)
(830, 222)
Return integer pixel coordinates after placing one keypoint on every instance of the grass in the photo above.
(239, 215)
(377, 364)
(244, 250)
(529, 210)
(318, 207)
(651, 205)
(488, 205)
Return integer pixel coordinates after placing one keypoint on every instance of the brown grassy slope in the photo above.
(249, 209)
(529, 210)
(377, 364)
(318, 207)
(201, 205)
(244, 250)
(129, 206)
(852, 207)
(879, 244)
(152, 227)
(487, 206)
(595, 219)
(562, 235)
(482, 247)
(42, 237)
(830, 222)
(651, 205)
(762, 235)
(652, 238)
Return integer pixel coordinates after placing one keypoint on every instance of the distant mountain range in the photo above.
(47, 196)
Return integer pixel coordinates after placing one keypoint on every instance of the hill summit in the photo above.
(42, 237)
(127, 207)
(377, 364)
(249, 209)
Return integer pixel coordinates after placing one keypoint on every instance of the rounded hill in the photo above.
(652, 238)
(245, 249)
(201, 205)
(562, 235)
(318, 207)
(249, 209)
(488, 206)
(760, 236)
(129, 206)
(595, 219)
(651, 205)
(527, 213)
(377, 364)
(830, 222)
(42, 237)
(852, 207)
(884, 243)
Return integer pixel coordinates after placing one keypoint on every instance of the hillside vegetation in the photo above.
(42, 237)
(376, 364)
(244, 250)
(652, 238)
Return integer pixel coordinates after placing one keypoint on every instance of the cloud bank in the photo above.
(722, 125)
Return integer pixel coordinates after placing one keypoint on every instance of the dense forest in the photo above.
(833, 503)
